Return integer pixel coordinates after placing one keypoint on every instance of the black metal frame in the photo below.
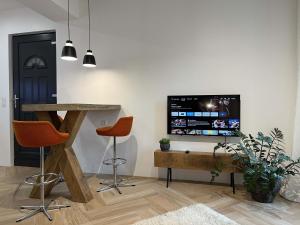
(169, 179)
(201, 135)
(232, 184)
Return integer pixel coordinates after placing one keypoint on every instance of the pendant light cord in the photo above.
(69, 19)
(89, 24)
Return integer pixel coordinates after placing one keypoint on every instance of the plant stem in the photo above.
(261, 148)
(270, 149)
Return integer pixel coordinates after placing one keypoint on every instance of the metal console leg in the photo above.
(232, 184)
(169, 176)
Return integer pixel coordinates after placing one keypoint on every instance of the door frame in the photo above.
(12, 71)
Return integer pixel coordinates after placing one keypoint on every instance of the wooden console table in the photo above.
(62, 157)
(194, 161)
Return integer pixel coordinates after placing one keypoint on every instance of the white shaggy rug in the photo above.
(198, 214)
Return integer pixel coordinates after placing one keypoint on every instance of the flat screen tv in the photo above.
(206, 115)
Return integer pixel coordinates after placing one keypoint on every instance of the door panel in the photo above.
(34, 75)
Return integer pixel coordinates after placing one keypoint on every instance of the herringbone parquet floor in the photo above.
(147, 199)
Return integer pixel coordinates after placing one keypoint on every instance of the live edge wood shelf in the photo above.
(193, 161)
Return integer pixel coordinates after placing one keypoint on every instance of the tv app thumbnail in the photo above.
(206, 114)
(210, 132)
(219, 124)
(182, 113)
(193, 132)
(226, 132)
(214, 114)
(234, 123)
(178, 122)
(177, 131)
(223, 114)
(174, 114)
(198, 114)
(190, 114)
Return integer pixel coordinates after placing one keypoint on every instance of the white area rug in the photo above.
(198, 214)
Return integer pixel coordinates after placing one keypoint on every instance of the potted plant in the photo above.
(164, 144)
(263, 161)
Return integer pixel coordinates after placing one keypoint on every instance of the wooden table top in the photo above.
(68, 107)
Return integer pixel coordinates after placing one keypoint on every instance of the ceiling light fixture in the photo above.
(89, 59)
(68, 51)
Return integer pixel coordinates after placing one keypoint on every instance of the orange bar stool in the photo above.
(33, 134)
(120, 129)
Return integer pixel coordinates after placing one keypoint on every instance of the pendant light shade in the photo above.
(69, 52)
(89, 59)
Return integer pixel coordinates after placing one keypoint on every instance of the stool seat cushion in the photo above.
(121, 128)
(34, 134)
(103, 130)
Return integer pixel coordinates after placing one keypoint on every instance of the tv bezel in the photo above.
(199, 135)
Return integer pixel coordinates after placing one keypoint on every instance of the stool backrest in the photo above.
(34, 134)
(122, 127)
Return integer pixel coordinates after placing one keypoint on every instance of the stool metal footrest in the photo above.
(41, 208)
(48, 179)
(114, 162)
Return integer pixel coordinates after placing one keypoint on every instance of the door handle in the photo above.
(54, 95)
(15, 100)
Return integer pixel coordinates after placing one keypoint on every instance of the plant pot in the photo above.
(266, 197)
(165, 147)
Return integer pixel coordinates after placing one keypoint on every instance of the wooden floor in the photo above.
(149, 198)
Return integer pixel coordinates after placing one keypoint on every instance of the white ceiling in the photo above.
(55, 10)
(9, 4)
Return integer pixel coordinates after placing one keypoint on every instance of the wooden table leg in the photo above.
(74, 177)
(63, 159)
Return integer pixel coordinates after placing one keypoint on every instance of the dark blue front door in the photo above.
(34, 81)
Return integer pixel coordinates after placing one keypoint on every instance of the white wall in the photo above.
(12, 21)
(296, 147)
(146, 50)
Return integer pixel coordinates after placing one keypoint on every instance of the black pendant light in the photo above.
(68, 51)
(89, 59)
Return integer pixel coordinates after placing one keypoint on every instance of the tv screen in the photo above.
(208, 115)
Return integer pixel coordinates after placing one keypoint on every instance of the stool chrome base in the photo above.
(107, 182)
(114, 186)
(41, 208)
(40, 181)
(117, 181)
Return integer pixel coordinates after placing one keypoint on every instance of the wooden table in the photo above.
(194, 161)
(62, 157)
